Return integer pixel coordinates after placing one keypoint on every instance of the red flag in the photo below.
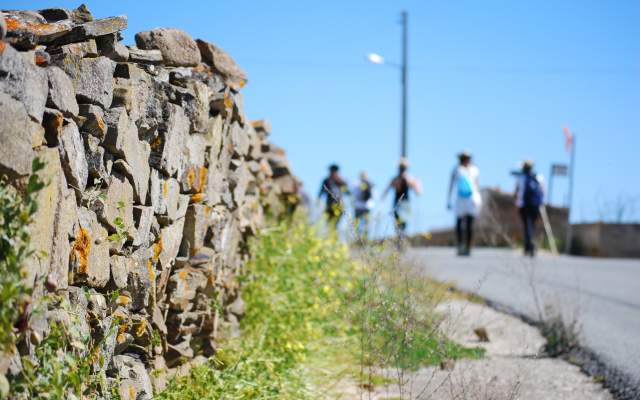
(568, 139)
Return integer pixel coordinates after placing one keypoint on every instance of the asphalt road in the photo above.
(603, 294)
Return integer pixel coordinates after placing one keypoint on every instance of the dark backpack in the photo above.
(533, 195)
(365, 192)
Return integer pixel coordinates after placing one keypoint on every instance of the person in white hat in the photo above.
(465, 184)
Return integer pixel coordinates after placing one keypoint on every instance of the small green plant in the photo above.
(562, 336)
(16, 213)
(122, 232)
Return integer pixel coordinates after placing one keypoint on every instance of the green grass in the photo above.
(316, 319)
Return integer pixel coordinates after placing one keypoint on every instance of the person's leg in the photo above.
(528, 231)
(469, 228)
(525, 228)
(534, 214)
(365, 225)
(459, 234)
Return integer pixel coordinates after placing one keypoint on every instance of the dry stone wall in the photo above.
(156, 180)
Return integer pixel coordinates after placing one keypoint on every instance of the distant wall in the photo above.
(156, 182)
(606, 240)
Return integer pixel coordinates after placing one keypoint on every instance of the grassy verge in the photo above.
(316, 320)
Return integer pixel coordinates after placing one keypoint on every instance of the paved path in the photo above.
(604, 294)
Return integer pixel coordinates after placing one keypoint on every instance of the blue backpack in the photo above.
(533, 195)
(465, 189)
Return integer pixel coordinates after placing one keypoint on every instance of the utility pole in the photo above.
(572, 167)
(403, 151)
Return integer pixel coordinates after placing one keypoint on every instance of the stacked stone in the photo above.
(156, 181)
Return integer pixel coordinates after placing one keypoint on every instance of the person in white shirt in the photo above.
(464, 181)
(362, 195)
(529, 196)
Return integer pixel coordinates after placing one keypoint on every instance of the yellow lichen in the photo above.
(152, 272)
(157, 249)
(142, 327)
(165, 189)
(81, 248)
(132, 392)
(182, 274)
(228, 101)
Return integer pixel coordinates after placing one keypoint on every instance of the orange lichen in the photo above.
(156, 143)
(242, 83)
(81, 248)
(40, 59)
(123, 300)
(202, 179)
(2, 46)
(37, 28)
(121, 331)
(191, 176)
(197, 198)
(182, 274)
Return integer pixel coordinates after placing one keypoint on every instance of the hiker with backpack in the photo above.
(362, 195)
(529, 197)
(402, 184)
(333, 188)
(464, 182)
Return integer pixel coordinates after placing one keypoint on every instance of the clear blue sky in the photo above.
(500, 78)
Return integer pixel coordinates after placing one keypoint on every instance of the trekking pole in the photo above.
(547, 229)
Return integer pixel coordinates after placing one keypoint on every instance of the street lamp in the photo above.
(378, 59)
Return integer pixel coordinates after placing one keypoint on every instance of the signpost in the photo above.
(570, 145)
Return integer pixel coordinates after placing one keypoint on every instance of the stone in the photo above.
(3, 27)
(119, 270)
(87, 48)
(165, 196)
(141, 56)
(55, 14)
(16, 155)
(91, 29)
(168, 154)
(92, 78)
(196, 224)
(183, 285)
(169, 245)
(134, 381)
(61, 93)
(237, 307)
(122, 140)
(94, 123)
(90, 251)
(240, 140)
(195, 102)
(481, 333)
(95, 158)
(27, 29)
(222, 62)
(110, 46)
(221, 225)
(143, 217)
(177, 47)
(52, 122)
(72, 156)
(117, 203)
(141, 280)
(23, 80)
(240, 179)
(81, 14)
